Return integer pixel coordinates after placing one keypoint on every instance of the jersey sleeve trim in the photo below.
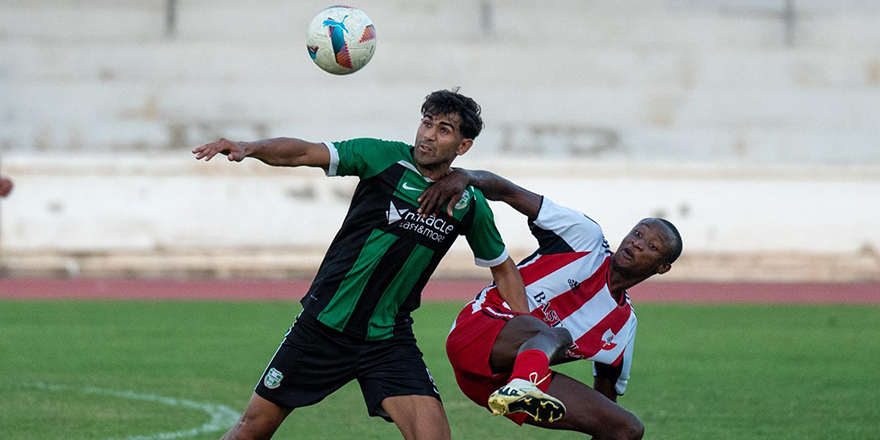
(334, 159)
(560, 228)
(493, 262)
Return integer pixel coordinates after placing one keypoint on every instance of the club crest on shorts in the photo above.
(273, 379)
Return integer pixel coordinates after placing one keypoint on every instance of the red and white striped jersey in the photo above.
(566, 282)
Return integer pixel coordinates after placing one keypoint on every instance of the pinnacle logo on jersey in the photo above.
(607, 340)
(395, 215)
(273, 379)
(432, 227)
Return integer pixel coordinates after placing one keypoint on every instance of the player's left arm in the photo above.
(510, 285)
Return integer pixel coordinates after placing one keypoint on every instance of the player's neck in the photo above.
(435, 172)
(619, 282)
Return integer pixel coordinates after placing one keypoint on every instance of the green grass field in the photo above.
(115, 370)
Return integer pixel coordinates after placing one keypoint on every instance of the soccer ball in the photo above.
(341, 40)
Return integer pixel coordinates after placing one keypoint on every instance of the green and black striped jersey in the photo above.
(373, 274)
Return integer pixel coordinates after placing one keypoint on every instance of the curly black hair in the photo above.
(444, 102)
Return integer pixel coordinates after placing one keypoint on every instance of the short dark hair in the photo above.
(444, 102)
(675, 248)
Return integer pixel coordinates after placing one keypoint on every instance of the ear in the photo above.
(465, 145)
(665, 267)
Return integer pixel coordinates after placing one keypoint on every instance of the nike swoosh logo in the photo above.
(407, 187)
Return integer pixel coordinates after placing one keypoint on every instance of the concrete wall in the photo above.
(751, 124)
(167, 213)
(733, 81)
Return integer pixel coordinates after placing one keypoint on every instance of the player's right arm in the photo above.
(281, 152)
(493, 186)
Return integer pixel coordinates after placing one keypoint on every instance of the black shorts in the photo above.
(314, 360)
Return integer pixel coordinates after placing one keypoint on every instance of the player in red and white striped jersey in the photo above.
(578, 309)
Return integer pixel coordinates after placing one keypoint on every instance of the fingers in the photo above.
(428, 202)
(433, 198)
(205, 152)
(208, 151)
(452, 201)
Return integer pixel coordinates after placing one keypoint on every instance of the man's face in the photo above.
(439, 140)
(643, 251)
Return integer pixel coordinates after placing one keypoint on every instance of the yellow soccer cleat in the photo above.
(523, 396)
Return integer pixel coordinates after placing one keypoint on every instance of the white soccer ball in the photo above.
(341, 40)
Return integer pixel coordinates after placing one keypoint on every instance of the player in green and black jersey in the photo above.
(356, 320)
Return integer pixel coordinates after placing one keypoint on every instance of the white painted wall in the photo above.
(88, 204)
(694, 81)
(755, 130)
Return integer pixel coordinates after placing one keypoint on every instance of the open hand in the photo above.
(234, 151)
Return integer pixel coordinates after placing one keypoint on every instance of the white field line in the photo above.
(222, 417)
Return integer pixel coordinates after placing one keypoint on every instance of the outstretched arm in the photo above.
(281, 152)
(493, 186)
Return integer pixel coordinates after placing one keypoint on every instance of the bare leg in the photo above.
(590, 412)
(418, 417)
(526, 332)
(525, 348)
(259, 422)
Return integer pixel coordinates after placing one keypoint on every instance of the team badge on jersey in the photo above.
(465, 198)
(608, 340)
(273, 379)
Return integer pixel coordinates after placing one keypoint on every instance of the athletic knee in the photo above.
(633, 429)
(559, 341)
(629, 429)
(637, 430)
(561, 335)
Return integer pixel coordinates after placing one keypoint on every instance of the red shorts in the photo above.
(469, 346)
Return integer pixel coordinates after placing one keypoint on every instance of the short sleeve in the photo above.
(364, 157)
(561, 229)
(483, 236)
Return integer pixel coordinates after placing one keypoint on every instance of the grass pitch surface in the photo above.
(149, 370)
